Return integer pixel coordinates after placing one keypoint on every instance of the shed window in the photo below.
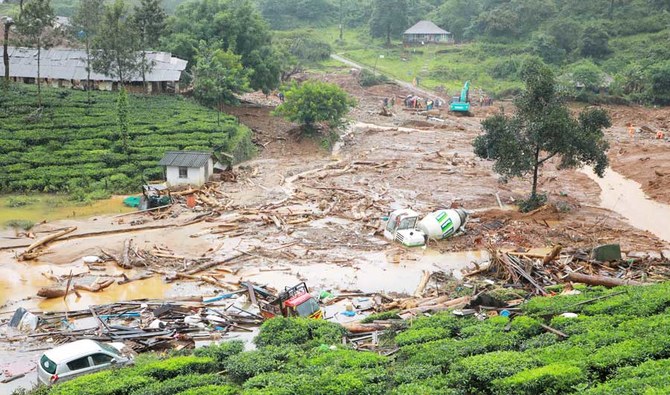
(183, 172)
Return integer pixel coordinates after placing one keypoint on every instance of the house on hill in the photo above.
(426, 32)
(66, 68)
(187, 167)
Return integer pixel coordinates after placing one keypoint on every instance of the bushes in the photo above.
(552, 379)
(368, 78)
(474, 374)
(108, 382)
(421, 335)
(298, 331)
(220, 353)
(249, 364)
(71, 143)
(211, 390)
(180, 383)
(172, 367)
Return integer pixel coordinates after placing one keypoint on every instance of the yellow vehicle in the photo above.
(295, 301)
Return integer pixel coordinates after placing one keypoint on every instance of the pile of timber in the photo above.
(145, 326)
(535, 272)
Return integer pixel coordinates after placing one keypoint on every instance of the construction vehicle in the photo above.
(404, 226)
(461, 104)
(295, 301)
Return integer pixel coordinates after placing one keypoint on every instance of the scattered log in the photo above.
(126, 263)
(554, 331)
(422, 284)
(95, 287)
(553, 254)
(356, 327)
(27, 254)
(462, 301)
(600, 280)
(209, 265)
(125, 279)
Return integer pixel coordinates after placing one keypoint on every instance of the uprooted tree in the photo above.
(313, 102)
(542, 129)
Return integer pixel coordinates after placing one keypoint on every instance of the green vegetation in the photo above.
(313, 102)
(68, 147)
(617, 344)
(541, 129)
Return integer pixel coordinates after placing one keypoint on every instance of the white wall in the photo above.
(196, 176)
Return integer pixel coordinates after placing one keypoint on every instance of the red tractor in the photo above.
(295, 301)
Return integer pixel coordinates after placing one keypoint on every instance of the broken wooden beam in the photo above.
(600, 280)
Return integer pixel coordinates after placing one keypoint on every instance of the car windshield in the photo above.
(48, 365)
(109, 348)
(407, 223)
(307, 308)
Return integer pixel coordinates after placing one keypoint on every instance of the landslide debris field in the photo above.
(301, 211)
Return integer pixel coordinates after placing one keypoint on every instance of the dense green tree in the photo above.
(289, 14)
(313, 102)
(388, 19)
(594, 42)
(544, 46)
(218, 76)
(86, 23)
(541, 129)
(237, 26)
(456, 16)
(588, 75)
(566, 33)
(659, 78)
(116, 45)
(149, 23)
(36, 17)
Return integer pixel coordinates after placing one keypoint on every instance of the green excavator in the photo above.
(461, 104)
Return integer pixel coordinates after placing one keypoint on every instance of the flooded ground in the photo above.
(626, 197)
(43, 207)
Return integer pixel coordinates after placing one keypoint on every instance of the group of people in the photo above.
(485, 101)
(632, 130)
(412, 101)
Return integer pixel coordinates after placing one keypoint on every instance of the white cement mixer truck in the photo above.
(404, 226)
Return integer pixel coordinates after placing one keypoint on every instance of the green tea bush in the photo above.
(629, 352)
(180, 383)
(298, 331)
(176, 366)
(245, 365)
(554, 379)
(342, 359)
(221, 352)
(539, 341)
(650, 377)
(421, 335)
(211, 390)
(108, 382)
(408, 373)
(386, 315)
(473, 375)
(436, 385)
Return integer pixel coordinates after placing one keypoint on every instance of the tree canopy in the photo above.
(218, 76)
(542, 129)
(389, 18)
(313, 102)
(117, 44)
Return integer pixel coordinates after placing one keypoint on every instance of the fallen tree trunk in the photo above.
(422, 284)
(462, 301)
(600, 280)
(215, 263)
(553, 254)
(27, 254)
(356, 327)
(51, 292)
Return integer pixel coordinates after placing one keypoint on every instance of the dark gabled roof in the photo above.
(185, 158)
(425, 27)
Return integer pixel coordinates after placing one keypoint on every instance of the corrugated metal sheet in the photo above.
(185, 158)
(425, 27)
(70, 64)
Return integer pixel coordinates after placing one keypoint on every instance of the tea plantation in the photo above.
(618, 344)
(71, 147)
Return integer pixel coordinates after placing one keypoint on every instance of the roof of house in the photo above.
(185, 158)
(425, 27)
(70, 64)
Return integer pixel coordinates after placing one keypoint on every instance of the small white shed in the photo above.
(187, 167)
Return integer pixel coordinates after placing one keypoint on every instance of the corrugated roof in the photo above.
(425, 27)
(70, 64)
(185, 158)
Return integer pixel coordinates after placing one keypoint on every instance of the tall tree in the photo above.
(389, 18)
(116, 45)
(149, 21)
(86, 22)
(236, 25)
(122, 115)
(541, 129)
(218, 76)
(37, 16)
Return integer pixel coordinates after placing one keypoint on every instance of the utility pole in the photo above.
(5, 56)
(341, 21)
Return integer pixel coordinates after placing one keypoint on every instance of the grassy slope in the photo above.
(72, 146)
(450, 66)
(617, 344)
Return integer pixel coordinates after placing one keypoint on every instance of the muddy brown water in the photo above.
(626, 197)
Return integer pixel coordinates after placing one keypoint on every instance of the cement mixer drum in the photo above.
(442, 224)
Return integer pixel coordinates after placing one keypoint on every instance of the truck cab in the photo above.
(401, 227)
(295, 301)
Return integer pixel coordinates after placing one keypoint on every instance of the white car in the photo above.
(77, 358)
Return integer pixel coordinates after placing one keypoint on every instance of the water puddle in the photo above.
(626, 197)
(42, 207)
(371, 272)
